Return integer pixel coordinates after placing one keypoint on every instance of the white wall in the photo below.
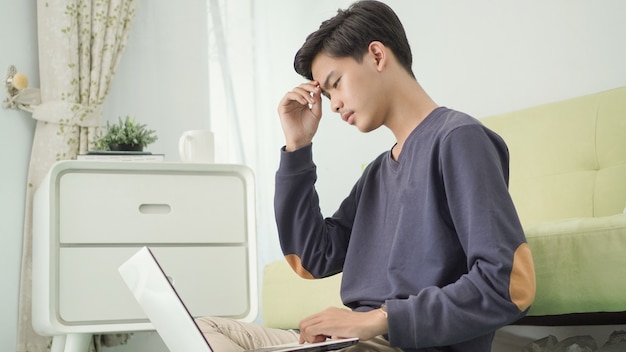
(482, 57)
(18, 46)
(486, 57)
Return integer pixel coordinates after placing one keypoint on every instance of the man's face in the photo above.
(351, 88)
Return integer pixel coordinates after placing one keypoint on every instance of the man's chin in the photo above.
(366, 128)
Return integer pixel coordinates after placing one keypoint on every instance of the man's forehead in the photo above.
(321, 66)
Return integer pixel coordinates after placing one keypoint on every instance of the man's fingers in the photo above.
(308, 329)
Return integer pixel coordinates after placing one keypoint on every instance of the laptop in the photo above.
(172, 320)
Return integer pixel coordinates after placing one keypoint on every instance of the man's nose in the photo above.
(335, 105)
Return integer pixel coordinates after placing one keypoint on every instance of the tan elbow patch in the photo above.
(522, 285)
(296, 264)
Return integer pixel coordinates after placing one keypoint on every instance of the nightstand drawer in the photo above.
(210, 280)
(114, 206)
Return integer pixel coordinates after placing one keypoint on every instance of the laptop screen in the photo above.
(161, 303)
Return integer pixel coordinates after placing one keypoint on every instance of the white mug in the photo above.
(196, 146)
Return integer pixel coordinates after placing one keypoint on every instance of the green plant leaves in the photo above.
(127, 131)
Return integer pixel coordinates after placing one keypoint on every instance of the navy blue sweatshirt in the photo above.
(434, 234)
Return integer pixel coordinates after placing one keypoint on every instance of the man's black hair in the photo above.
(350, 32)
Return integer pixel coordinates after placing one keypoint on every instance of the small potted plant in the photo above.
(125, 135)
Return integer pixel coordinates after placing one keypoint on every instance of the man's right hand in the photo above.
(300, 112)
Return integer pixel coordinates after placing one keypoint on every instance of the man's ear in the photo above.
(379, 53)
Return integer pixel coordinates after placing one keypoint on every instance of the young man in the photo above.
(431, 249)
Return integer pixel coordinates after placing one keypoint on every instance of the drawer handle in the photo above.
(155, 208)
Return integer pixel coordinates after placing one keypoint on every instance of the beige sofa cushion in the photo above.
(287, 298)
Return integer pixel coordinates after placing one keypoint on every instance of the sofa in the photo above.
(568, 183)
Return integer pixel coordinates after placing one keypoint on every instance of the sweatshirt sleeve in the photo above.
(499, 285)
(314, 246)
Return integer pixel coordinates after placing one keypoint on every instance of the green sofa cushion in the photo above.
(579, 265)
(568, 158)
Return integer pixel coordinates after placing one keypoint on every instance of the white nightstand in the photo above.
(89, 217)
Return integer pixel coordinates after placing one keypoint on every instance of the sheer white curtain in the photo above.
(80, 45)
(245, 130)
